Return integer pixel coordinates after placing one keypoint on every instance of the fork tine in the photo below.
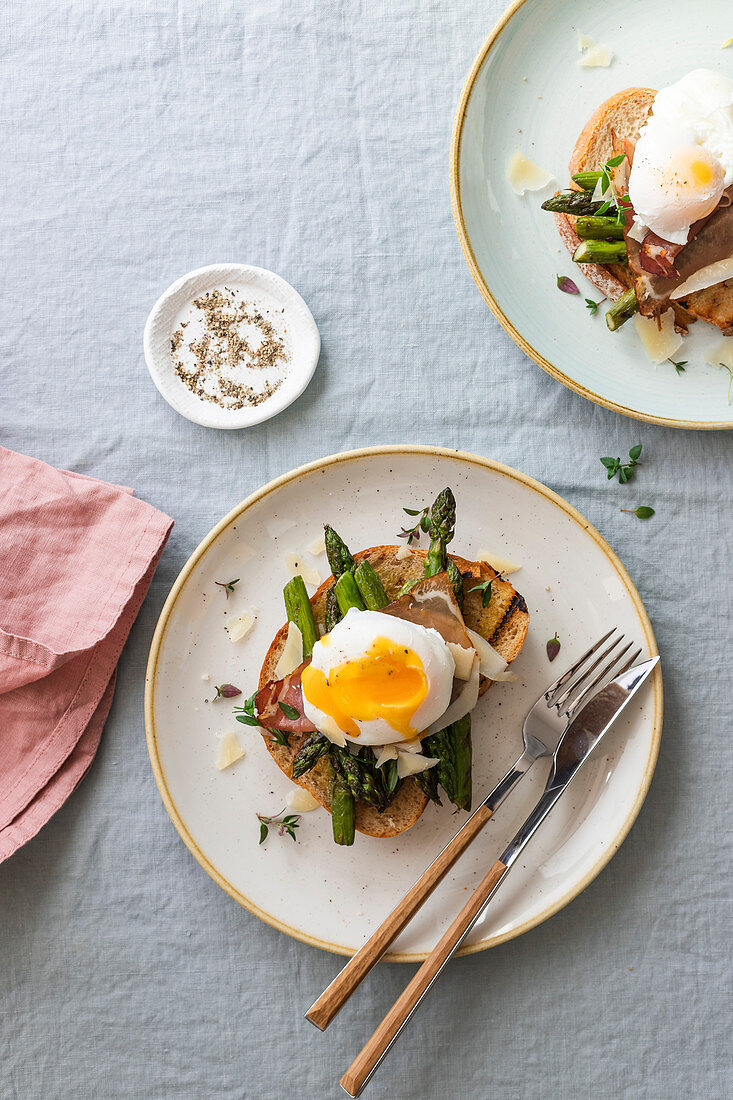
(582, 679)
(576, 703)
(629, 664)
(569, 673)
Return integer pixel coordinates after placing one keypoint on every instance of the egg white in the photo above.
(351, 638)
(692, 118)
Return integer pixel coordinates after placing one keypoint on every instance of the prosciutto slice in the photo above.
(431, 603)
(288, 691)
(713, 242)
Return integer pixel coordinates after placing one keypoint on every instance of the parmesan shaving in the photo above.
(705, 277)
(523, 175)
(728, 42)
(292, 653)
(387, 752)
(464, 702)
(403, 552)
(594, 56)
(722, 354)
(318, 546)
(240, 627)
(229, 751)
(301, 800)
(658, 343)
(637, 232)
(491, 664)
(501, 565)
(298, 567)
(463, 659)
(413, 763)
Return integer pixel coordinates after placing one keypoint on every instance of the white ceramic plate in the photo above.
(334, 897)
(276, 300)
(526, 92)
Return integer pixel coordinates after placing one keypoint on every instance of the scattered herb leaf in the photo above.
(592, 306)
(246, 713)
(566, 285)
(228, 586)
(485, 587)
(289, 711)
(615, 161)
(679, 367)
(280, 737)
(412, 534)
(553, 647)
(625, 470)
(286, 823)
(642, 512)
(226, 691)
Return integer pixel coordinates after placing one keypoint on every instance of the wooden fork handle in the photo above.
(366, 1062)
(337, 994)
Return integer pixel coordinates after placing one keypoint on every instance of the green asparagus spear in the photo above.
(456, 581)
(343, 809)
(338, 553)
(442, 526)
(623, 308)
(600, 252)
(370, 586)
(574, 202)
(427, 781)
(587, 180)
(348, 594)
(309, 753)
(333, 611)
(360, 777)
(452, 745)
(453, 750)
(300, 612)
(589, 228)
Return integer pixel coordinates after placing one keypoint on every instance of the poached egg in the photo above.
(377, 679)
(683, 159)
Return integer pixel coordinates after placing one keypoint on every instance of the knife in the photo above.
(574, 748)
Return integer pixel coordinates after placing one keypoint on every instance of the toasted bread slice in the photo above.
(623, 115)
(503, 624)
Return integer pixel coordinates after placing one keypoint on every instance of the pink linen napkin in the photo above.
(76, 559)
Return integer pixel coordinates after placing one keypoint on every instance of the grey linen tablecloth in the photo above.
(140, 141)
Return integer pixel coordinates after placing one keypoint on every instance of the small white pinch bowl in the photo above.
(272, 296)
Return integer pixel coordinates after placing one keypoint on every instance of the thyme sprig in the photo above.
(228, 586)
(625, 470)
(592, 306)
(412, 534)
(246, 713)
(679, 367)
(484, 587)
(286, 823)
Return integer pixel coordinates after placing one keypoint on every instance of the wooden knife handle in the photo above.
(366, 1062)
(337, 994)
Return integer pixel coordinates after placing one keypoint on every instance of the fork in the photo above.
(543, 727)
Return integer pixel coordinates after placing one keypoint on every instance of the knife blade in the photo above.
(577, 744)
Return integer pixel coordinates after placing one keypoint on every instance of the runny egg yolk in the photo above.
(388, 681)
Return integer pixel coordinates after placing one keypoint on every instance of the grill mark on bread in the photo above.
(516, 605)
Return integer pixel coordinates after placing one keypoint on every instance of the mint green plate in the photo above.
(527, 92)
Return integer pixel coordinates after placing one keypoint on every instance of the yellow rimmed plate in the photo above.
(526, 92)
(334, 897)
